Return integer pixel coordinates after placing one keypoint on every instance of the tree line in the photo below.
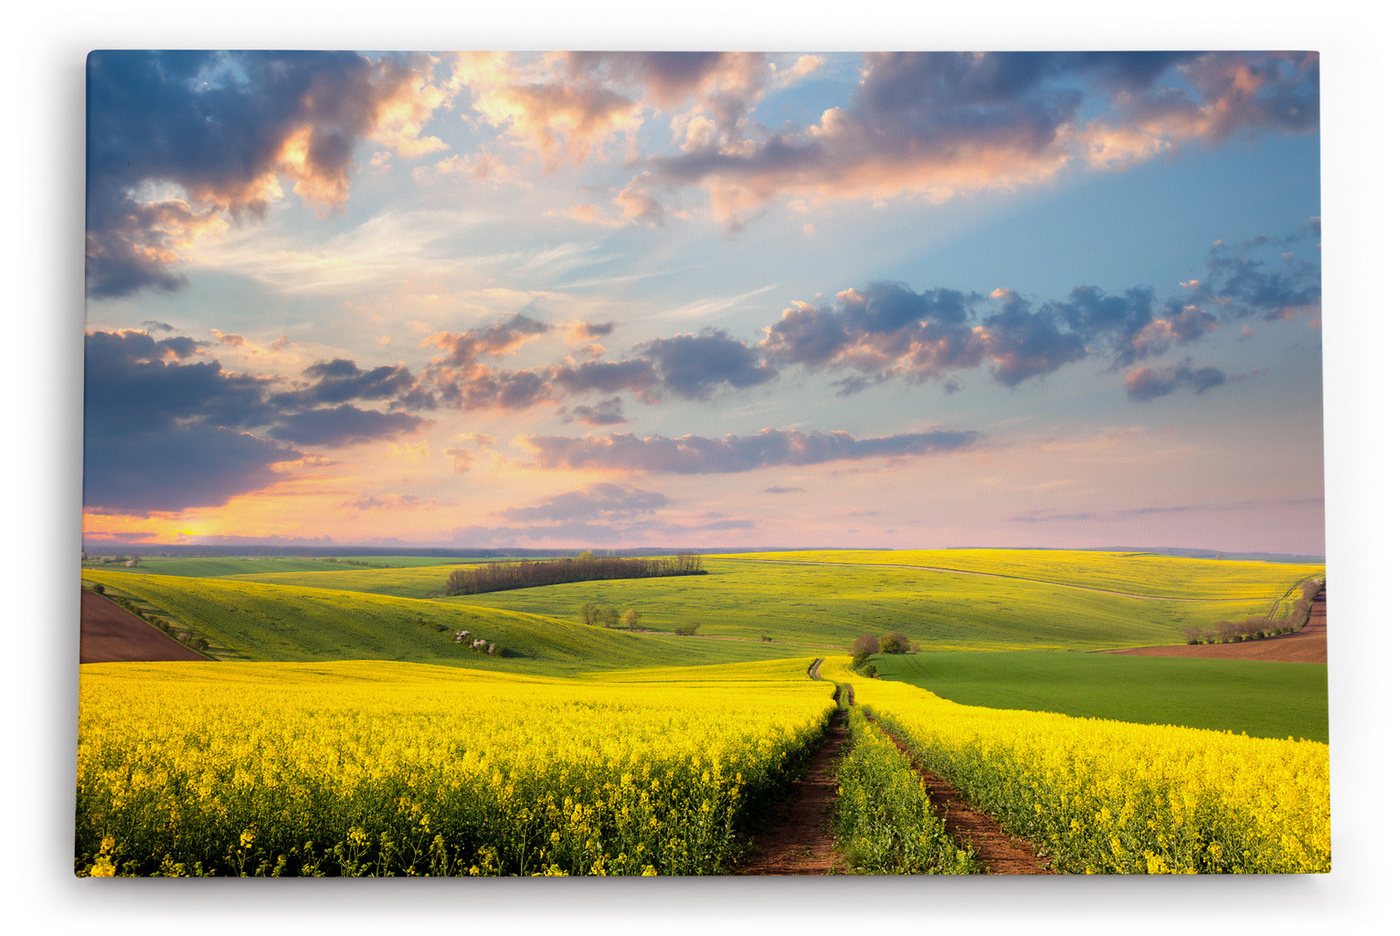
(1261, 626)
(585, 567)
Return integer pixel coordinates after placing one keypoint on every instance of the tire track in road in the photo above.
(996, 850)
(800, 840)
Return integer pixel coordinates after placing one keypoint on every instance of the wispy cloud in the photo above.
(733, 453)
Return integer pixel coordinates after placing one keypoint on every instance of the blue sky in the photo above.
(925, 300)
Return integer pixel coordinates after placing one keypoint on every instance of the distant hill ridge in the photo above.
(274, 549)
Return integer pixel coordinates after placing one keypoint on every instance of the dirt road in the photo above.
(800, 840)
(112, 634)
(998, 851)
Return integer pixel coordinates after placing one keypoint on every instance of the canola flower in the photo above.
(1103, 796)
(882, 818)
(404, 769)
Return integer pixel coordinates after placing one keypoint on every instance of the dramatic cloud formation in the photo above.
(940, 124)
(164, 431)
(341, 425)
(732, 453)
(635, 375)
(568, 105)
(876, 333)
(179, 143)
(694, 366)
(1145, 383)
(161, 435)
(340, 380)
(886, 330)
(603, 413)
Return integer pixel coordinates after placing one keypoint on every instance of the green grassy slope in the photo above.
(1136, 573)
(1032, 599)
(827, 606)
(1262, 699)
(256, 621)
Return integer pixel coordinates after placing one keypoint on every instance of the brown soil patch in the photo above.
(1308, 645)
(800, 840)
(998, 851)
(112, 634)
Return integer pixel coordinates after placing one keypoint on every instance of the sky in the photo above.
(704, 300)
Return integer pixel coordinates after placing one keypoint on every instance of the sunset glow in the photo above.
(704, 300)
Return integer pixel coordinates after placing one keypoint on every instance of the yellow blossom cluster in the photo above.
(375, 768)
(1102, 796)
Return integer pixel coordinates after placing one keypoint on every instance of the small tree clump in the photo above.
(865, 647)
(629, 619)
(895, 642)
(687, 630)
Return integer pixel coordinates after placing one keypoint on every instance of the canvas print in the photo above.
(702, 463)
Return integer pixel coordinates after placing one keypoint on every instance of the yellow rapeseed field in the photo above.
(405, 769)
(1112, 797)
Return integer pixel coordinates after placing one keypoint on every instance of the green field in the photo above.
(331, 729)
(1274, 700)
(825, 604)
(1036, 602)
(251, 621)
(1146, 574)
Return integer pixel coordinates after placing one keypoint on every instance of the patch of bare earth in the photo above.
(800, 839)
(1307, 645)
(998, 851)
(112, 634)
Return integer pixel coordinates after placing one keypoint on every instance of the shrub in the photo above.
(687, 630)
(100, 588)
(895, 642)
(866, 646)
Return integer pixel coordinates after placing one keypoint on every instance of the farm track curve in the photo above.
(996, 575)
(800, 840)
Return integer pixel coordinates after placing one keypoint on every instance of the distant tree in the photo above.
(687, 630)
(864, 648)
(606, 616)
(629, 619)
(588, 614)
(895, 642)
(459, 582)
(585, 556)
